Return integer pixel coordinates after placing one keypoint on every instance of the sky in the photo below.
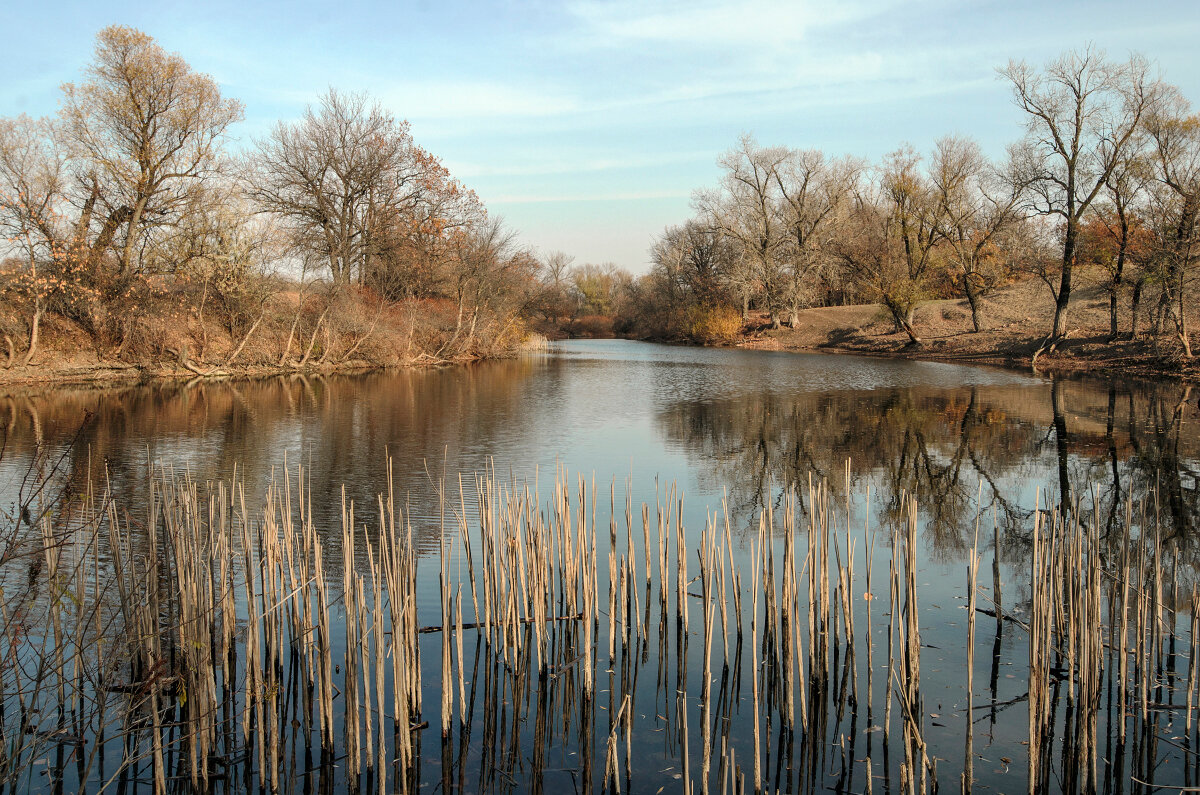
(588, 124)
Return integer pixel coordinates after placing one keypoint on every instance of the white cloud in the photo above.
(753, 24)
(472, 99)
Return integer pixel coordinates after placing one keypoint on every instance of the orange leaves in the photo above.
(1102, 237)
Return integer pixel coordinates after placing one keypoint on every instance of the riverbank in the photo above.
(346, 333)
(67, 371)
(1016, 322)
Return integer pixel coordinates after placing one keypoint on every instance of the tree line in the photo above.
(134, 224)
(131, 219)
(1106, 177)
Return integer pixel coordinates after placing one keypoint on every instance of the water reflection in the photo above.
(980, 450)
(967, 442)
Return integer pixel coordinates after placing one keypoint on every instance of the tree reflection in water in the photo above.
(979, 458)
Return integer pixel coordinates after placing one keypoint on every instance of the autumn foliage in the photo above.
(131, 227)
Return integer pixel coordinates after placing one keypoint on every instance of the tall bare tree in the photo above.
(1082, 111)
(1176, 205)
(334, 173)
(976, 205)
(814, 191)
(144, 130)
(746, 209)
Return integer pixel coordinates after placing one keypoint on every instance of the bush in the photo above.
(714, 325)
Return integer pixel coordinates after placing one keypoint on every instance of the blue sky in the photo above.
(588, 124)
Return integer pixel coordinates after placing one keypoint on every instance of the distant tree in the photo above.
(556, 268)
(694, 260)
(1175, 206)
(890, 236)
(597, 287)
(554, 298)
(487, 272)
(976, 206)
(814, 193)
(1082, 112)
(746, 210)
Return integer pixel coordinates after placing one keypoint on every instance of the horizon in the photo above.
(588, 125)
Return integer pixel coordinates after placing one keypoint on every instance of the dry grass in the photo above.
(1016, 321)
(289, 332)
(186, 645)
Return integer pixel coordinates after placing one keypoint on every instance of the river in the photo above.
(734, 433)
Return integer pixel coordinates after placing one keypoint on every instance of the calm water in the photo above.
(715, 422)
(980, 449)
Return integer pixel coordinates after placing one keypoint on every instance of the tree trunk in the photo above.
(1134, 306)
(1118, 273)
(1112, 314)
(909, 327)
(1161, 310)
(1064, 287)
(1184, 337)
(135, 220)
(34, 328)
(973, 301)
(904, 320)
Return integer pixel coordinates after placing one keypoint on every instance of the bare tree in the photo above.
(977, 204)
(1175, 206)
(813, 192)
(889, 237)
(556, 267)
(1125, 231)
(554, 271)
(482, 256)
(333, 173)
(1082, 111)
(32, 195)
(144, 130)
(746, 209)
(694, 260)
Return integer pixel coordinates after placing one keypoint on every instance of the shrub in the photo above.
(714, 325)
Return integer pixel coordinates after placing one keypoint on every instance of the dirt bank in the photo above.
(1016, 322)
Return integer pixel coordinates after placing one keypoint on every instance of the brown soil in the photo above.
(1016, 320)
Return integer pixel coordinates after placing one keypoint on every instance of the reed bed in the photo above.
(211, 645)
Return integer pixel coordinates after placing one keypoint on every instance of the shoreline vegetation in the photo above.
(343, 333)
(216, 647)
(143, 243)
(403, 337)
